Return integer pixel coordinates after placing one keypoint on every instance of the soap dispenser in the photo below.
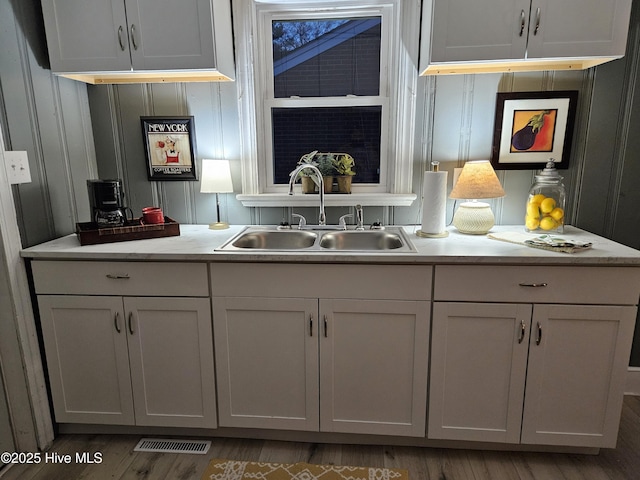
(546, 202)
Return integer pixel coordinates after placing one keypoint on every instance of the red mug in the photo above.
(152, 215)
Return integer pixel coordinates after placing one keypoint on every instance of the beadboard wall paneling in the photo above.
(120, 150)
(625, 228)
(47, 117)
(461, 128)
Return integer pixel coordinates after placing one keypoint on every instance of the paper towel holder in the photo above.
(435, 167)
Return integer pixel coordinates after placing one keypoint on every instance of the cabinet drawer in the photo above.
(376, 282)
(120, 278)
(583, 285)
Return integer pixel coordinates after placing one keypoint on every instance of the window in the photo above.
(353, 130)
(325, 75)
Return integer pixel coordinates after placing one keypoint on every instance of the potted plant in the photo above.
(324, 162)
(307, 177)
(327, 168)
(343, 164)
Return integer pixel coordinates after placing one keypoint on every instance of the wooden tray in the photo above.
(90, 234)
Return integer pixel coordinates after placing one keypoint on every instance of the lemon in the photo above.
(548, 223)
(531, 222)
(538, 198)
(547, 205)
(557, 214)
(533, 210)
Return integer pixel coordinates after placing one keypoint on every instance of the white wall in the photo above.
(49, 118)
(455, 116)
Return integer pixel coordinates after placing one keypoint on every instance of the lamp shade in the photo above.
(477, 180)
(216, 176)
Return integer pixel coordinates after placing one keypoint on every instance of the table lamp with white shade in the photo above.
(216, 178)
(477, 180)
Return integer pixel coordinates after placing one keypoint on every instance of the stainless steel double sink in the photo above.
(388, 240)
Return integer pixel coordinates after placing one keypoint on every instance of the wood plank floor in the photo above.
(120, 462)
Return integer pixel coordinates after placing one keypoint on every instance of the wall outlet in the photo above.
(17, 166)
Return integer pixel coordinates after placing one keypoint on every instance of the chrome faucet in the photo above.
(359, 218)
(322, 219)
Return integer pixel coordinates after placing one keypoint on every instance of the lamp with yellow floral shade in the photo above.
(477, 180)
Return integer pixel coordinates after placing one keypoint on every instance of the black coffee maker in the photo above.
(106, 198)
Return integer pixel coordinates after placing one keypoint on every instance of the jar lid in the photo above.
(550, 173)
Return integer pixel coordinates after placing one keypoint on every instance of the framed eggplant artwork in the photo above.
(532, 127)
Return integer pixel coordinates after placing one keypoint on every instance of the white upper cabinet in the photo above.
(578, 28)
(138, 35)
(77, 41)
(466, 37)
(484, 30)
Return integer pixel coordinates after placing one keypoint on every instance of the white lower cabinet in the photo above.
(121, 359)
(130, 360)
(530, 355)
(478, 370)
(530, 373)
(87, 359)
(267, 362)
(374, 357)
(321, 364)
(578, 359)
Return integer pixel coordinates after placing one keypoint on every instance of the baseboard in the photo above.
(633, 381)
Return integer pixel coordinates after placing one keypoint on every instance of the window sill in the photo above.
(330, 200)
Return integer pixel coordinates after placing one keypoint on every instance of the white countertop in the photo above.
(198, 242)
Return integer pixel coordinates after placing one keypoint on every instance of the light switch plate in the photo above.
(17, 166)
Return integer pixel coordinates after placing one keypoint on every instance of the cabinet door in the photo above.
(478, 368)
(578, 28)
(373, 364)
(86, 349)
(171, 356)
(578, 358)
(267, 360)
(86, 35)
(487, 30)
(169, 35)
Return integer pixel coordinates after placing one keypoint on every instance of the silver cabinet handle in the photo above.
(522, 22)
(131, 323)
(116, 322)
(539, 336)
(133, 36)
(118, 276)
(326, 328)
(535, 32)
(311, 325)
(533, 285)
(120, 31)
(523, 331)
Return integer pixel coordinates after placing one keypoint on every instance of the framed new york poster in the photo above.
(169, 144)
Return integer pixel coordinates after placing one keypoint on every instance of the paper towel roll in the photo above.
(434, 203)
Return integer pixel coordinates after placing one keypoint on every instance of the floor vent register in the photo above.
(167, 445)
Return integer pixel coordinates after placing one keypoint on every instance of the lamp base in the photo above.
(474, 218)
(218, 226)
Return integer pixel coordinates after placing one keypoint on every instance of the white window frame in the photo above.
(399, 73)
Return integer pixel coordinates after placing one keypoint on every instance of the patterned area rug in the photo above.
(232, 470)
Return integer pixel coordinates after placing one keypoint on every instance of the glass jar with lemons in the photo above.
(546, 202)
